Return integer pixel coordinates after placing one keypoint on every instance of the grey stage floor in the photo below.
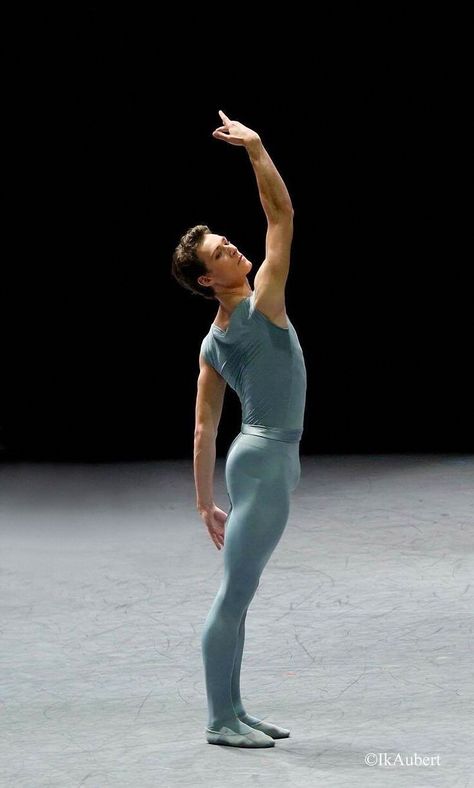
(359, 639)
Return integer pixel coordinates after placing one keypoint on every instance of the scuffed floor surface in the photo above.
(359, 639)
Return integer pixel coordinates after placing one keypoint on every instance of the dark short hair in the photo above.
(186, 265)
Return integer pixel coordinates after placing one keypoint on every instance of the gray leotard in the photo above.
(264, 364)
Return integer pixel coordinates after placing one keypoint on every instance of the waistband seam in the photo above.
(273, 433)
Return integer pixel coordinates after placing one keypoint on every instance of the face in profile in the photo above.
(225, 264)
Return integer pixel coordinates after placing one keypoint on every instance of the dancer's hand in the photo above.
(235, 133)
(214, 519)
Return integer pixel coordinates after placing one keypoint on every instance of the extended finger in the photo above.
(224, 117)
(215, 539)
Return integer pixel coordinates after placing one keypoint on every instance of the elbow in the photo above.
(284, 215)
(287, 211)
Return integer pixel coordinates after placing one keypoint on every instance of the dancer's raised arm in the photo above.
(270, 279)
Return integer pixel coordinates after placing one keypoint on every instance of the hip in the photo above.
(268, 459)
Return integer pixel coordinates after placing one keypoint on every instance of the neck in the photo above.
(229, 299)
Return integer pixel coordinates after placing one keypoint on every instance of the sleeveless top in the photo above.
(263, 364)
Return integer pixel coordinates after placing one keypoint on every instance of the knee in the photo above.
(239, 593)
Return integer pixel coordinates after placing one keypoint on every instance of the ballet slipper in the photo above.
(271, 730)
(228, 737)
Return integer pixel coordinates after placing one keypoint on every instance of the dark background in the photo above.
(108, 159)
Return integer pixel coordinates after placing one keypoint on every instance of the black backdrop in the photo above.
(109, 158)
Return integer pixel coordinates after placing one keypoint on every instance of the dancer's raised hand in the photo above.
(235, 133)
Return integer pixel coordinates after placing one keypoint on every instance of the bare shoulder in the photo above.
(269, 297)
(273, 307)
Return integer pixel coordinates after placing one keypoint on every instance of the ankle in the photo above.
(249, 719)
(216, 725)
